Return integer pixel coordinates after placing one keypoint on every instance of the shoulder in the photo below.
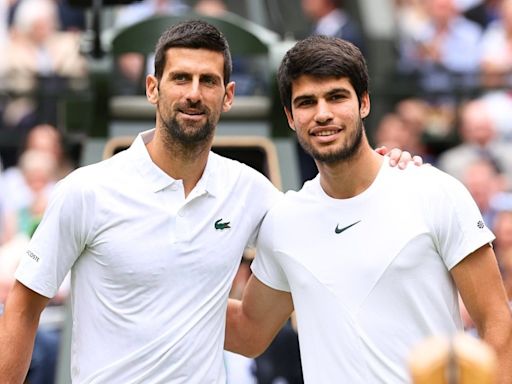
(430, 181)
(236, 171)
(90, 177)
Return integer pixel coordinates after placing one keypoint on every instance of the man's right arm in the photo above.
(253, 323)
(18, 326)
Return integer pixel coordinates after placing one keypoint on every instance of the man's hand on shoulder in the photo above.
(399, 157)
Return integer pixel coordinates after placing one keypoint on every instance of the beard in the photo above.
(187, 135)
(345, 152)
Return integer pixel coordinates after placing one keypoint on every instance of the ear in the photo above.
(152, 89)
(289, 117)
(228, 96)
(364, 110)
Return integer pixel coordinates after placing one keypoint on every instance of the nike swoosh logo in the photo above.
(339, 230)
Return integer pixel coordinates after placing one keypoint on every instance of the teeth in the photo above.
(325, 133)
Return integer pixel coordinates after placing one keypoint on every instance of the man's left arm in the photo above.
(479, 282)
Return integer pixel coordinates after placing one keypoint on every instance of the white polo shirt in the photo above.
(369, 275)
(150, 270)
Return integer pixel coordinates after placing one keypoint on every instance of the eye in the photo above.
(305, 103)
(209, 80)
(180, 77)
(336, 97)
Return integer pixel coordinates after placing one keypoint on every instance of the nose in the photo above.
(323, 113)
(194, 92)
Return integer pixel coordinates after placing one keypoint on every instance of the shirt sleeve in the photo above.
(267, 264)
(59, 239)
(266, 195)
(458, 226)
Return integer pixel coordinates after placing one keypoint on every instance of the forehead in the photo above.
(316, 86)
(191, 60)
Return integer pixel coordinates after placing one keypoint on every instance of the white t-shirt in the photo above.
(150, 270)
(369, 275)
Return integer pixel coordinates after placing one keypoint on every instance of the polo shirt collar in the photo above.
(157, 179)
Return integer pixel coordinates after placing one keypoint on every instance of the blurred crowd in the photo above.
(456, 55)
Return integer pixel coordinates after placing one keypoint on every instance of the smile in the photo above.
(326, 133)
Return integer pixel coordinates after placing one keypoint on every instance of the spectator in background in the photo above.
(478, 134)
(502, 226)
(483, 12)
(16, 193)
(496, 56)
(423, 122)
(132, 67)
(3, 35)
(447, 44)
(392, 132)
(38, 51)
(38, 169)
(330, 18)
(484, 182)
(410, 17)
(132, 13)
(211, 7)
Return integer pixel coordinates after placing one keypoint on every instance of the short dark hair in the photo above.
(195, 34)
(322, 56)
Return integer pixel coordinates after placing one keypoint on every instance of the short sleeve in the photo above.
(59, 239)
(267, 265)
(265, 196)
(459, 228)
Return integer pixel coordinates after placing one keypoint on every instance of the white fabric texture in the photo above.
(364, 296)
(150, 272)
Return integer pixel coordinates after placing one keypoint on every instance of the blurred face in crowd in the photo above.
(316, 9)
(502, 228)
(476, 124)
(38, 168)
(191, 94)
(45, 138)
(441, 11)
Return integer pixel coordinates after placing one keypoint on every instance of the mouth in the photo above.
(325, 133)
(192, 114)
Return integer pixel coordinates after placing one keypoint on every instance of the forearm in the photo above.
(18, 326)
(240, 332)
(16, 345)
(499, 336)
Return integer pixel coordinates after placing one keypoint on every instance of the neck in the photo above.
(181, 162)
(349, 178)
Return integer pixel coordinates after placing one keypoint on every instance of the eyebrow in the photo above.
(331, 92)
(201, 76)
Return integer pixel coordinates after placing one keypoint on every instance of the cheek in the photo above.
(302, 119)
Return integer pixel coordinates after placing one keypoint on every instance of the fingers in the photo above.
(397, 156)
(418, 160)
(382, 150)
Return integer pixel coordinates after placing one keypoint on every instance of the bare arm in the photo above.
(479, 282)
(253, 323)
(18, 326)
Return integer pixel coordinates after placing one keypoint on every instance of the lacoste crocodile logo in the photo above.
(220, 225)
(339, 230)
